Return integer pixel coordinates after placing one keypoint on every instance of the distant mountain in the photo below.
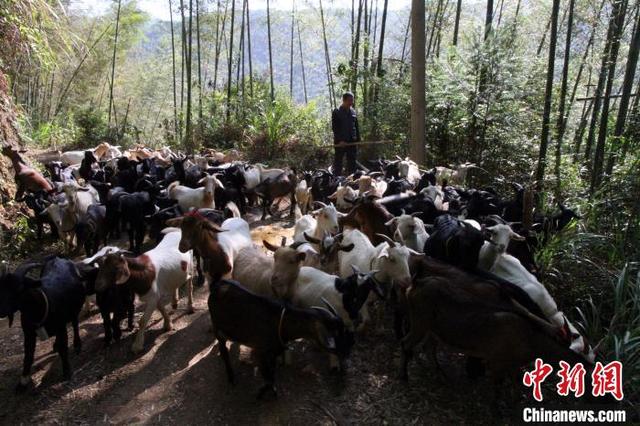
(157, 42)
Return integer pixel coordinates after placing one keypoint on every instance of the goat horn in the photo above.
(497, 219)
(330, 307)
(297, 244)
(320, 203)
(387, 239)
(311, 239)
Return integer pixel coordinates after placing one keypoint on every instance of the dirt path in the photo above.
(179, 379)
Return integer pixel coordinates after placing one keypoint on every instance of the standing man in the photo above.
(345, 131)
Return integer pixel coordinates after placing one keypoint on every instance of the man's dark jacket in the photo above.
(345, 125)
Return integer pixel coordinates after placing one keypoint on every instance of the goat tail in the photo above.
(233, 209)
(171, 187)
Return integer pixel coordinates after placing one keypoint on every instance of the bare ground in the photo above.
(179, 379)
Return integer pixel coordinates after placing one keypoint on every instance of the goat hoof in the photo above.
(137, 348)
(267, 392)
(190, 310)
(23, 385)
(174, 305)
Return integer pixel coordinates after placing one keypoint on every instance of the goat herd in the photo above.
(455, 264)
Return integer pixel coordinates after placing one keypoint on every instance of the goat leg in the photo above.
(63, 350)
(106, 323)
(267, 369)
(29, 351)
(138, 343)
(130, 312)
(77, 343)
(224, 354)
(165, 316)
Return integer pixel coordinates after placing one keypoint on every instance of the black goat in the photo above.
(117, 300)
(38, 202)
(46, 306)
(455, 242)
(86, 166)
(279, 186)
(397, 186)
(133, 208)
(267, 325)
(91, 229)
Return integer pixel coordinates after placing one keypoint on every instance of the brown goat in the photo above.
(480, 319)
(202, 235)
(370, 217)
(279, 186)
(27, 178)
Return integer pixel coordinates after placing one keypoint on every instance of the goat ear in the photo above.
(211, 226)
(311, 239)
(270, 246)
(517, 237)
(355, 269)
(122, 276)
(333, 196)
(391, 222)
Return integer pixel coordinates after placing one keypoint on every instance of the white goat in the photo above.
(303, 196)
(389, 258)
(493, 258)
(198, 198)
(410, 231)
(344, 196)
(158, 274)
(409, 170)
(437, 196)
(327, 221)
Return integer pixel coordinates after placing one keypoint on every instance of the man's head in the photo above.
(347, 99)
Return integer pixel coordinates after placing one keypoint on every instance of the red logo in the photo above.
(606, 379)
(571, 379)
(536, 377)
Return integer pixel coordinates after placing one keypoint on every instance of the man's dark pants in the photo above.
(350, 152)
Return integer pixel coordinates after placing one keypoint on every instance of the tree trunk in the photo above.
(188, 135)
(627, 86)
(304, 77)
(456, 24)
(602, 78)
(270, 53)
(218, 44)
(581, 68)
(546, 115)
(379, 70)
(488, 21)
(356, 52)
(199, 62)
(113, 60)
(230, 58)
(293, 20)
(240, 62)
(327, 60)
(563, 96)
(249, 49)
(183, 42)
(173, 59)
(619, 12)
(418, 74)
